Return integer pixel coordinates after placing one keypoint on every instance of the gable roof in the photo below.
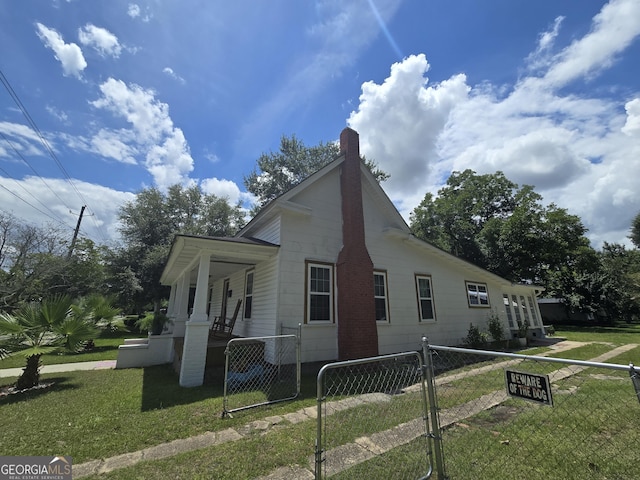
(397, 228)
(284, 202)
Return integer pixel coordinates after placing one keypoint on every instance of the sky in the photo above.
(103, 98)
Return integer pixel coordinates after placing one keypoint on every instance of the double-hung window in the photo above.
(380, 296)
(319, 293)
(477, 294)
(425, 298)
(248, 294)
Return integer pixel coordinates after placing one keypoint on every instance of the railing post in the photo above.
(433, 408)
(299, 359)
(635, 379)
(320, 399)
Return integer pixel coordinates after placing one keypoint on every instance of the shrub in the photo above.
(152, 322)
(496, 330)
(476, 338)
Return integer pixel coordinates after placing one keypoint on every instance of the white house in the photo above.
(334, 255)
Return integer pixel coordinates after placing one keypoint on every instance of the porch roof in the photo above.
(228, 254)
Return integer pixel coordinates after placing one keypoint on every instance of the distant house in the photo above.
(334, 255)
(554, 311)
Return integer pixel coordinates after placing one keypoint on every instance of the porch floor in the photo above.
(215, 352)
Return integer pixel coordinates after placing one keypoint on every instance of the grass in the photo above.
(96, 414)
(617, 335)
(106, 348)
(99, 414)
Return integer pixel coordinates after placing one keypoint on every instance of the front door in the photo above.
(225, 296)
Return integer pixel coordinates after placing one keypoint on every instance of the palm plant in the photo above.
(41, 328)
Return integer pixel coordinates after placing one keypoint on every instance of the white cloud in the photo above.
(400, 121)
(58, 114)
(580, 152)
(100, 221)
(21, 139)
(612, 31)
(541, 56)
(116, 144)
(168, 158)
(68, 54)
(134, 10)
(169, 71)
(101, 39)
(225, 189)
(632, 125)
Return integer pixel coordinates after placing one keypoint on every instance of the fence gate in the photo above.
(372, 419)
(260, 371)
(506, 416)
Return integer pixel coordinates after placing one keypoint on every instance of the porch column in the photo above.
(194, 354)
(180, 312)
(171, 308)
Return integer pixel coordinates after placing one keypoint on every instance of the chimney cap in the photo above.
(350, 141)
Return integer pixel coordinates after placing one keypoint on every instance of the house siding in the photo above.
(264, 314)
(316, 237)
(270, 232)
(403, 261)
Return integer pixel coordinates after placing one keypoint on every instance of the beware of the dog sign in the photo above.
(529, 386)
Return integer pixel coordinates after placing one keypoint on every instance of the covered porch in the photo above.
(194, 265)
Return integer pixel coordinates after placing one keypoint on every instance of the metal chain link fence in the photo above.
(372, 419)
(260, 371)
(506, 416)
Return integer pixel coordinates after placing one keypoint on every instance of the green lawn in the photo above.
(99, 414)
(106, 348)
(618, 335)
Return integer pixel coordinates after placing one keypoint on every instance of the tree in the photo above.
(278, 172)
(453, 220)
(34, 263)
(635, 231)
(148, 226)
(620, 282)
(39, 328)
(494, 223)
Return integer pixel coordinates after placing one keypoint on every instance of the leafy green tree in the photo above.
(280, 171)
(620, 282)
(34, 263)
(39, 328)
(635, 231)
(454, 218)
(494, 223)
(148, 226)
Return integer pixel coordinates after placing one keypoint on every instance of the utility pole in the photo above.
(75, 233)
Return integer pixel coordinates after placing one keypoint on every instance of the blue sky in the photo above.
(152, 93)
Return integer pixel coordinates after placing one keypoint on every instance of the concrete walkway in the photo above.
(62, 367)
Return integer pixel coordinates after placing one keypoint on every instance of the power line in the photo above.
(32, 206)
(33, 170)
(48, 148)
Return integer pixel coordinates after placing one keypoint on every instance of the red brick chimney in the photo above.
(357, 329)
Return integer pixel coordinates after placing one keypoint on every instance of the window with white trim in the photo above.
(523, 305)
(319, 293)
(248, 294)
(534, 315)
(507, 308)
(477, 294)
(380, 296)
(425, 298)
(521, 309)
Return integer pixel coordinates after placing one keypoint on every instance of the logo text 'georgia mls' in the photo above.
(35, 468)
